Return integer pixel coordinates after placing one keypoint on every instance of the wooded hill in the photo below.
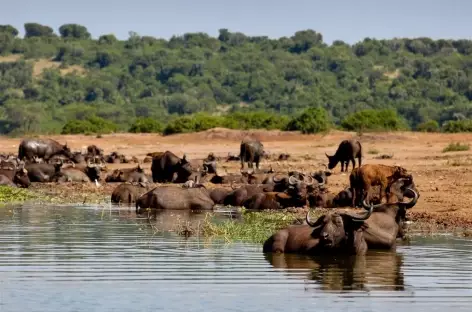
(71, 83)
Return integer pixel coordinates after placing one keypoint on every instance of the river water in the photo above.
(91, 259)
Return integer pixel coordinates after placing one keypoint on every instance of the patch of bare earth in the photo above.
(445, 184)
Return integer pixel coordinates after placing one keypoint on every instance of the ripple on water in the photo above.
(76, 259)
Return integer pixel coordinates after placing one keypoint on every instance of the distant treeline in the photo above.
(72, 83)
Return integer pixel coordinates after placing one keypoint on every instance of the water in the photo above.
(89, 259)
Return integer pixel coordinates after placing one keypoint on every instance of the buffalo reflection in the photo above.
(373, 271)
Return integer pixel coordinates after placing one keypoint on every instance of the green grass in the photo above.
(15, 195)
(254, 227)
(373, 151)
(456, 147)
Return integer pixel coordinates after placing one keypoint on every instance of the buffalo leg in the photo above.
(353, 160)
(342, 166)
(359, 160)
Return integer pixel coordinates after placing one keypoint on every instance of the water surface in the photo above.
(91, 259)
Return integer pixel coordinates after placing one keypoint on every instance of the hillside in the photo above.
(49, 80)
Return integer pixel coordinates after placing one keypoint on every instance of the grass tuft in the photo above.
(456, 147)
(10, 194)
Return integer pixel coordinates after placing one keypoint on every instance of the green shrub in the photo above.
(92, 124)
(255, 120)
(455, 126)
(312, 120)
(374, 120)
(456, 147)
(146, 125)
(428, 126)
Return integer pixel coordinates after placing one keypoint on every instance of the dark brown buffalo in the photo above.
(170, 168)
(94, 150)
(324, 199)
(331, 233)
(348, 150)
(383, 224)
(251, 151)
(115, 158)
(136, 175)
(362, 179)
(14, 177)
(42, 148)
(42, 172)
(128, 193)
(176, 198)
(90, 173)
(232, 157)
(218, 195)
(229, 178)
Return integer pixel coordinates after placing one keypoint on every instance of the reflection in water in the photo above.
(106, 259)
(379, 270)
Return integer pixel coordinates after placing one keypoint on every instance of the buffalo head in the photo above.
(335, 229)
(332, 161)
(21, 178)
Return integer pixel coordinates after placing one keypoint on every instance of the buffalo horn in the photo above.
(292, 180)
(308, 180)
(413, 201)
(365, 217)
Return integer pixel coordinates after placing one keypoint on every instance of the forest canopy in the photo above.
(68, 82)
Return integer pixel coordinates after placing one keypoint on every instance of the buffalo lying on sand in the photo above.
(348, 151)
(168, 167)
(14, 177)
(128, 175)
(42, 148)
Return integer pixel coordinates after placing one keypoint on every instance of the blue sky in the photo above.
(346, 20)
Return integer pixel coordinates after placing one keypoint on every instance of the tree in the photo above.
(9, 29)
(74, 31)
(312, 120)
(37, 30)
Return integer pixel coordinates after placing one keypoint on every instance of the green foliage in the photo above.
(373, 151)
(272, 83)
(454, 126)
(12, 195)
(37, 30)
(456, 147)
(74, 31)
(312, 120)
(92, 124)
(9, 29)
(428, 126)
(146, 125)
(254, 227)
(373, 120)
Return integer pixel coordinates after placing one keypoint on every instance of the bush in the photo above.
(255, 120)
(456, 147)
(312, 120)
(146, 125)
(428, 126)
(374, 120)
(92, 124)
(454, 126)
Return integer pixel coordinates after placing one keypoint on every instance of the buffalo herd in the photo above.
(377, 189)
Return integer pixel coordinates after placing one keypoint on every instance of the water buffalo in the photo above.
(363, 178)
(90, 173)
(324, 199)
(14, 177)
(283, 156)
(209, 163)
(42, 172)
(347, 151)
(331, 233)
(387, 222)
(251, 151)
(128, 175)
(128, 193)
(218, 195)
(42, 148)
(94, 150)
(177, 198)
(170, 168)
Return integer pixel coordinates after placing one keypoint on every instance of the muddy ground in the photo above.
(444, 179)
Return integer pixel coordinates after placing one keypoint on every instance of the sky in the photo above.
(347, 20)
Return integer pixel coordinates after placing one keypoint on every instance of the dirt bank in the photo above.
(444, 179)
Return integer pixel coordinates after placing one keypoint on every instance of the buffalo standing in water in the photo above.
(42, 148)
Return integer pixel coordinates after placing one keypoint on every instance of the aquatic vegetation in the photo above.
(252, 227)
(10, 194)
